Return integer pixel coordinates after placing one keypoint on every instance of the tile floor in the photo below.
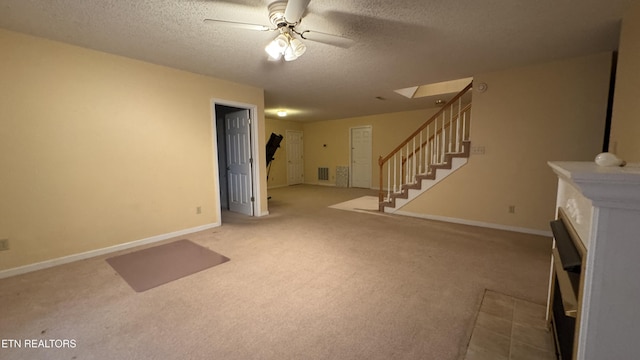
(510, 329)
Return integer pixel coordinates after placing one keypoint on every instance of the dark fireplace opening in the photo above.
(563, 327)
(566, 288)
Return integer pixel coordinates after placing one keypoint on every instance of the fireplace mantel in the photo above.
(603, 204)
(606, 186)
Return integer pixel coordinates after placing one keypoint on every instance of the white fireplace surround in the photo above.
(603, 204)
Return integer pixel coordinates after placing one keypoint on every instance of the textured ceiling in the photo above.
(399, 44)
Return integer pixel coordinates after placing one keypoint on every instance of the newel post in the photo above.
(380, 193)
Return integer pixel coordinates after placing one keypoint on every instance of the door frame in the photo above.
(256, 172)
(370, 127)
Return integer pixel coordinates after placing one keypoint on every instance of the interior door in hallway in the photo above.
(360, 157)
(295, 157)
(239, 161)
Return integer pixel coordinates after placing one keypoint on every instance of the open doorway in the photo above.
(236, 151)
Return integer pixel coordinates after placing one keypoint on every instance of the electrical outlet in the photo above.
(198, 210)
(4, 244)
(512, 209)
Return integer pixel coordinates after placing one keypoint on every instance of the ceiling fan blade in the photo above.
(295, 9)
(238, 25)
(328, 39)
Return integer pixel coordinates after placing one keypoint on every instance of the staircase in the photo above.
(435, 150)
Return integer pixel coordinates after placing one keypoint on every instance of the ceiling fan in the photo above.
(285, 16)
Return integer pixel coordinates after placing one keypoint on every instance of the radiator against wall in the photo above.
(323, 173)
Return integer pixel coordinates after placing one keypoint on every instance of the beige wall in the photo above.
(528, 116)
(388, 130)
(625, 125)
(278, 174)
(99, 150)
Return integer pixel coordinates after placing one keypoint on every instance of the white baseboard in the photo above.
(276, 186)
(321, 184)
(92, 253)
(476, 223)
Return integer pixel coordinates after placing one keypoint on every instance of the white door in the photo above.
(295, 158)
(361, 157)
(239, 161)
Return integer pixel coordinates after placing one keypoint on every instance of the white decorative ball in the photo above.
(608, 159)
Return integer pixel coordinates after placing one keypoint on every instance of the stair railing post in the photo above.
(380, 183)
(464, 127)
(458, 149)
(420, 159)
(402, 172)
(443, 140)
(450, 127)
(407, 169)
(395, 170)
(430, 153)
(435, 142)
(436, 145)
(458, 127)
(388, 180)
(413, 161)
(438, 137)
(426, 153)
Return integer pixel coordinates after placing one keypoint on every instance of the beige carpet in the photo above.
(306, 282)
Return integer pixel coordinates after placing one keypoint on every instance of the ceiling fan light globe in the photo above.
(298, 47)
(270, 58)
(289, 54)
(282, 42)
(274, 51)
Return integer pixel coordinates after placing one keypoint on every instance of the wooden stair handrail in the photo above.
(463, 110)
